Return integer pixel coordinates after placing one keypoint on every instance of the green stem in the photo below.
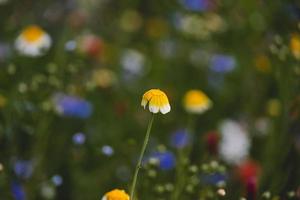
(139, 164)
(184, 160)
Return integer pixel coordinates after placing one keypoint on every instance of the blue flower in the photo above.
(197, 5)
(180, 139)
(213, 178)
(167, 159)
(17, 191)
(78, 138)
(222, 63)
(107, 150)
(57, 180)
(72, 106)
(23, 168)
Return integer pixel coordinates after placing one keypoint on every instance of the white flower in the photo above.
(235, 144)
(33, 41)
(133, 61)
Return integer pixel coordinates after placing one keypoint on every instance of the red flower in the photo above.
(248, 170)
(212, 140)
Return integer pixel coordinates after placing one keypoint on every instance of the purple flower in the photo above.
(167, 159)
(72, 106)
(180, 139)
(222, 63)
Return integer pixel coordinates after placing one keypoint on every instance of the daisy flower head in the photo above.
(33, 41)
(157, 101)
(196, 102)
(116, 194)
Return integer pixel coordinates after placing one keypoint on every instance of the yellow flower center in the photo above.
(117, 195)
(32, 33)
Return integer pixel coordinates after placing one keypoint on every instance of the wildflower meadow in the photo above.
(149, 100)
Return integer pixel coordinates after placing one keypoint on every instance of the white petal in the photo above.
(165, 109)
(198, 109)
(154, 109)
(33, 49)
(104, 198)
(144, 103)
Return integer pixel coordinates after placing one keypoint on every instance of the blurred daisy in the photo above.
(133, 62)
(33, 41)
(158, 101)
(116, 194)
(235, 144)
(196, 102)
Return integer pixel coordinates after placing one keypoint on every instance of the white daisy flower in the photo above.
(235, 144)
(33, 41)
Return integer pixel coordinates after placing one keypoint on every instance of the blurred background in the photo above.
(72, 74)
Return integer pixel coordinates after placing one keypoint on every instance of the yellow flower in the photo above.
(33, 41)
(104, 78)
(274, 107)
(158, 101)
(195, 101)
(295, 45)
(2, 101)
(262, 64)
(116, 194)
